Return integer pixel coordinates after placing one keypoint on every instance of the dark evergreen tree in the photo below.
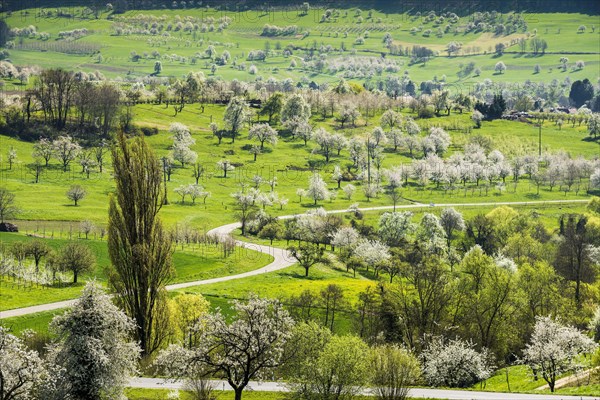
(581, 91)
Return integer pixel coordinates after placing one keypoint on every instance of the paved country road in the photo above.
(282, 258)
(156, 383)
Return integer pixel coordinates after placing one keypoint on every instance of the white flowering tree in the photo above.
(345, 238)
(93, 346)
(244, 203)
(325, 141)
(349, 191)
(183, 154)
(395, 227)
(595, 179)
(248, 347)
(225, 166)
(300, 129)
(500, 67)
(411, 127)
(43, 149)
(391, 119)
(593, 125)
(182, 140)
(317, 188)
(553, 349)
(21, 369)
(263, 133)
(65, 150)
(236, 115)
(337, 175)
(295, 108)
(451, 221)
(372, 252)
(455, 363)
(181, 133)
(477, 117)
(440, 140)
(430, 234)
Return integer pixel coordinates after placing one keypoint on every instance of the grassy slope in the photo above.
(191, 263)
(48, 202)
(243, 35)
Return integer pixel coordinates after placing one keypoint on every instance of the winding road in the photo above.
(281, 258)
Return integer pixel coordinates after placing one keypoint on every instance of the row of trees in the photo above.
(62, 96)
(58, 92)
(73, 257)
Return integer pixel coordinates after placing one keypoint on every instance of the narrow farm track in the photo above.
(282, 258)
(157, 383)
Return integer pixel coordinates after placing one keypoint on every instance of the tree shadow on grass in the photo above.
(370, 274)
(299, 274)
(532, 196)
(590, 139)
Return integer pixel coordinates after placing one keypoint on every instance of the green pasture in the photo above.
(243, 35)
(191, 262)
(290, 161)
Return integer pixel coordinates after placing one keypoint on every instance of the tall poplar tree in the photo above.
(140, 250)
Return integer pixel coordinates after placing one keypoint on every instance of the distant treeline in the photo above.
(459, 7)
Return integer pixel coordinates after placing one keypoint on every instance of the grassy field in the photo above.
(243, 34)
(290, 161)
(519, 379)
(192, 263)
(46, 213)
(45, 210)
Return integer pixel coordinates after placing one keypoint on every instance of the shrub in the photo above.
(426, 112)
(149, 131)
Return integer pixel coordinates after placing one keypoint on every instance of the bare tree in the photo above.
(8, 209)
(77, 258)
(54, 90)
(76, 193)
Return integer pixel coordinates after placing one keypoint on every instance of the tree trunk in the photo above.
(238, 394)
(74, 276)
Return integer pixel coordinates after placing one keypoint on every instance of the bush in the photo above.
(393, 370)
(149, 131)
(426, 112)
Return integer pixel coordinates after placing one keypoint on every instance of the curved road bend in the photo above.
(282, 258)
(157, 383)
